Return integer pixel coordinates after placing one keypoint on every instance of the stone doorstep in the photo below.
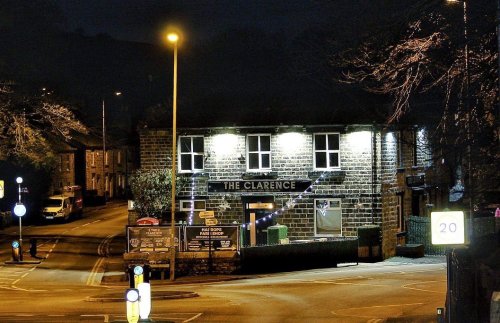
(410, 250)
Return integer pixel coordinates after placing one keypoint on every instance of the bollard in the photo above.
(440, 315)
(33, 250)
(16, 250)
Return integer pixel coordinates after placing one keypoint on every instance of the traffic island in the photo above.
(118, 296)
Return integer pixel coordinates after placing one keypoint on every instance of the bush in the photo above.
(152, 190)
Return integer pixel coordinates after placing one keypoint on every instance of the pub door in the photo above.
(257, 209)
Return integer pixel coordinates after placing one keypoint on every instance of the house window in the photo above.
(326, 151)
(259, 152)
(327, 217)
(119, 157)
(106, 156)
(92, 158)
(191, 151)
(67, 163)
(93, 181)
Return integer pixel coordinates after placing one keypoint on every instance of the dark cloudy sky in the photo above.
(142, 20)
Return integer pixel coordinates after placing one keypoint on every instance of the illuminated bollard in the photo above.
(144, 300)
(132, 300)
(16, 250)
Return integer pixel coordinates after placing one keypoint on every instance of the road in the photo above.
(58, 289)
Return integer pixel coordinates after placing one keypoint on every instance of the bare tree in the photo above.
(28, 124)
(445, 64)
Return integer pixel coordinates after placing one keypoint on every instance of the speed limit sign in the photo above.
(448, 228)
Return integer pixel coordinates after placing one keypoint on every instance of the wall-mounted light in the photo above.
(241, 158)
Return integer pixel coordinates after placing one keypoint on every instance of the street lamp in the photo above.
(20, 211)
(467, 106)
(104, 145)
(173, 38)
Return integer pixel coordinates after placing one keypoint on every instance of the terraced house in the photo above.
(320, 181)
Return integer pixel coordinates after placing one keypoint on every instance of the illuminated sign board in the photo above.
(259, 186)
(448, 228)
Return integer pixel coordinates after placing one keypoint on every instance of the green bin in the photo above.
(276, 233)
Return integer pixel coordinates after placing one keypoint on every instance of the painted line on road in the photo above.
(425, 290)
(193, 318)
(368, 308)
(94, 273)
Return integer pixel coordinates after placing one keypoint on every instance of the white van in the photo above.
(57, 207)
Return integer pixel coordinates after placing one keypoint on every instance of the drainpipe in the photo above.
(374, 170)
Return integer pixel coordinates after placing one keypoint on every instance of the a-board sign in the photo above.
(206, 214)
(211, 221)
(150, 238)
(198, 238)
(448, 228)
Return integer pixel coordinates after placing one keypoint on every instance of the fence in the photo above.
(419, 232)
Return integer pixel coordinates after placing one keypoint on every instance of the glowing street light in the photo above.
(174, 39)
(20, 211)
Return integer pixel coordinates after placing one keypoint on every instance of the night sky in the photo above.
(142, 20)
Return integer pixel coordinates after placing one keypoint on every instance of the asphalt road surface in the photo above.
(75, 256)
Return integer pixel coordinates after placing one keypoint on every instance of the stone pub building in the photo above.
(320, 181)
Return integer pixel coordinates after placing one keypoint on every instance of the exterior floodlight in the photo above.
(19, 209)
(19, 180)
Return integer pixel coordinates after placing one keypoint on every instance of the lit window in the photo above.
(259, 152)
(327, 217)
(119, 157)
(106, 158)
(92, 158)
(326, 151)
(191, 150)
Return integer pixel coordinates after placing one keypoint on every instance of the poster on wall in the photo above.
(150, 238)
(199, 238)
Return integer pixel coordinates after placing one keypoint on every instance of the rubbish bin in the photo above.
(369, 243)
(276, 234)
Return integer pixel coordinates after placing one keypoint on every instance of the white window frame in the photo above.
(192, 154)
(326, 151)
(330, 209)
(191, 208)
(260, 153)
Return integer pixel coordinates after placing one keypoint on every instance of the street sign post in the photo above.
(448, 228)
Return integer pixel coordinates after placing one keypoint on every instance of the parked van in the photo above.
(63, 206)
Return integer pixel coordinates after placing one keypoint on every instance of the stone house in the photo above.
(80, 163)
(320, 181)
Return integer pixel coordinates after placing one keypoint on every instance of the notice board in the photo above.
(199, 238)
(150, 238)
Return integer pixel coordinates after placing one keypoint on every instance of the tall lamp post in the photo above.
(104, 145)
(173, 38)
(20, 211)
(467, 105)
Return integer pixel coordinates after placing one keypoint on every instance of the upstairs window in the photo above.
(326, 151)
(259, 152)
(191, 151)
